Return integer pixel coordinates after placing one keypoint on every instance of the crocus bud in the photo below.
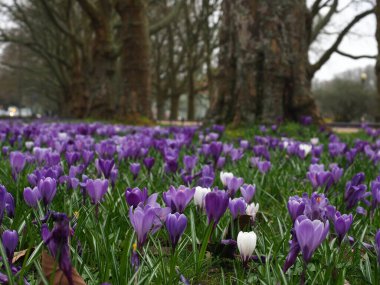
(47, 188)
(246, 242)
(10, 241)
(225, 177)
(176, 225)
(237, 207)
(252, 210)
(32, 196)
(199, 196)
(248, 191)
(96, 189)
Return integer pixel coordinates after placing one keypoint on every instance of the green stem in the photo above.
(6, 263)
(172, 266)
(204, 245)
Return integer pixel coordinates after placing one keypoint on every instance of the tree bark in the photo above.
(263, 62)
(174, 106)
(135, 100)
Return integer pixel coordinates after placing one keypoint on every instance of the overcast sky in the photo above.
(361, 41)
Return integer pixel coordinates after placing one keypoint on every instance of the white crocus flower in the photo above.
(306, 148)
(199, 196)
(246, 242)
(225, 177)
(252, 210)
(314, 141)
(29, 144)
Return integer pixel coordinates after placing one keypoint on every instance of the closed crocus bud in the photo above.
(199, 196)
(233, 185)
(148, 162)
(135, 169)
(135, 196)
(176, 224)
(17, 161)
(32, 196)
(216, 203)
(221, 162)
(47, 188)
(248, 191)
(264, 166)
(296, 207)
(252, 210)
(246, 242)
(96, 189)
(342, 224)
(225, 177)
(10, 241)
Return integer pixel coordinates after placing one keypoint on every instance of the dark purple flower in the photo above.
(10, 241)
(336, 172)
(105, 166)
(293, 253)
(72, 157)
(342, 224)
(57, 242)
(216, 203)
(148, 162)
(136, 196)
(178, 199)
(356, 192)
(87, 157)
(175, 224)
(377, 245)
(47, 188)
(375, 190)
(248, 191)
(221, 162)
(32, 196)
(96, 189)
(237, 207)
(310, 234)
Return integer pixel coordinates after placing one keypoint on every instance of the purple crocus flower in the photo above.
(105, 166)
(72, 157)
(293, 252)
(296, 207)
(221, 162)
(316, 207)
(47, 188)
(336, 172)
(87, 157)
(135, 169)
(178, 199)
(375, 190)
(10, 241)
(190, 162)
(175, 224)
(342, 224)
(136, 196)
(142, 219)
(32, 196)
(233, 184)
(377, 245)
(216, 203)
(264, 166)
(96, 189)
(237, 207)
(248, 191)
(355, 191)
(310, 234)
(148, 162)
(57, 242)
(17, 161)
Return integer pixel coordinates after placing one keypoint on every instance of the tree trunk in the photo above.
(174, 106)
(377, 67)
(263, 62)
(135, 100)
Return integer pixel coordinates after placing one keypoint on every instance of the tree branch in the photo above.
(154, 28)
(91, 11)
(326, 56)
(323, 22)
(355, 56)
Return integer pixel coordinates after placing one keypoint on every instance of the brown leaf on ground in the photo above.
(18, 255)
(50, 268)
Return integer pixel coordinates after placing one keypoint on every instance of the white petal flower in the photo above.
(252, 210)
(225, 177)
(314, 141)
(306, 148)
(199, 196)
(246, 242)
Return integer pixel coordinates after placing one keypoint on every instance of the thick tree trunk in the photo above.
(174, 106)
(377, 67)
(263, 62)
(191, 97)
(135, 100)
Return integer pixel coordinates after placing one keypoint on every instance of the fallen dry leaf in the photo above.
(50, 268)
(18, 255)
